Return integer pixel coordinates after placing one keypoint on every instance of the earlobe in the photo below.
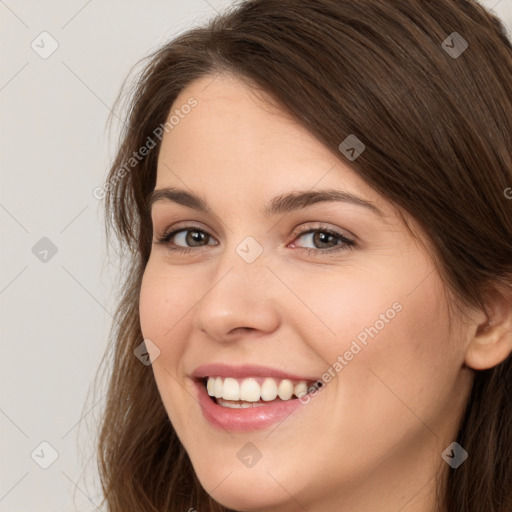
(492, 341)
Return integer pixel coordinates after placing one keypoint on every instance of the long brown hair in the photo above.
(434, 110)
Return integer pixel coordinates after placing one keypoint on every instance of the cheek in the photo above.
(163, 301)
(165, 306)
(404, 372)
(337, 307)
(398, 359)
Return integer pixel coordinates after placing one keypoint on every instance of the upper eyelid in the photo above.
(298, 232)
(345, 232)
(185, 227)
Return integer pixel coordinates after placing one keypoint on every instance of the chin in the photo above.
(249, 492)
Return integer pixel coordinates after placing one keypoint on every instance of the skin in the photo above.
(372, 438)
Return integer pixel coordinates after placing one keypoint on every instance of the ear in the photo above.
(491, 342)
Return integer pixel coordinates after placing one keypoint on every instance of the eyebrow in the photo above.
(283, 203)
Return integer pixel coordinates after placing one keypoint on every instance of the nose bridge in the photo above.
(239, 294)
(245, 257)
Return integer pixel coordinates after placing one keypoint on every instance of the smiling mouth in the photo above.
(238, 393)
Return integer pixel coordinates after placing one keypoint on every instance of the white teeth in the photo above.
(238, 405)
(268, 390)
(210, 387)
(300, 389)
(219, 387)
(248, 391)
(231, 390)
(285, 389)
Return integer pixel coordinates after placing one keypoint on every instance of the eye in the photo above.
(324, 240)
(188, 235)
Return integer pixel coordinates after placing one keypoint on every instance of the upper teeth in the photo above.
(250, 390)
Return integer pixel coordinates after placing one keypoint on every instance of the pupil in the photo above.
(324, 237)
(195, 236)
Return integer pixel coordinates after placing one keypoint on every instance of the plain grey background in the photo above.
(56, 285)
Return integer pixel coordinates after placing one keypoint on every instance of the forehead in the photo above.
(232, 122)
(234, 139)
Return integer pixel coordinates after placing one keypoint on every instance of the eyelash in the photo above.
(346, 243)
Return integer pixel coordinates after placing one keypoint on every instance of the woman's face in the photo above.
(279, 288)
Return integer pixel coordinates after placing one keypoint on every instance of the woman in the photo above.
(317, 312)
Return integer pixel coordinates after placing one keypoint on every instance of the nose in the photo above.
(241, 297)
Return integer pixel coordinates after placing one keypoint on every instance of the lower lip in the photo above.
(251, 418)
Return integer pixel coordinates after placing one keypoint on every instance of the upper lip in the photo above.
(243, 371)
